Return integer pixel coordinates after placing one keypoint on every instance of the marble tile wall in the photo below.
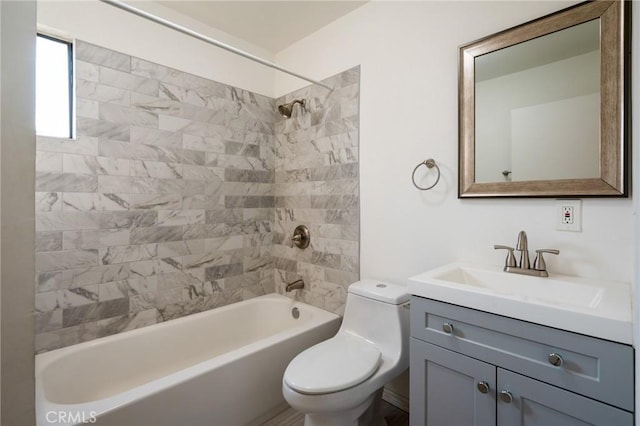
(161, 207)
(317, 184)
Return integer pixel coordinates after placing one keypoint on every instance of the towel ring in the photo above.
(430, 163)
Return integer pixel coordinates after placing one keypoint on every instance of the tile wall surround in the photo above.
(177, 196)
(317, 184)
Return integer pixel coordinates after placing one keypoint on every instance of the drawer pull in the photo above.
(483, 387)
(447, 328)
(506, 396)
(555, 359)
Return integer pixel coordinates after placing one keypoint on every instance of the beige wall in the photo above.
(17, 156)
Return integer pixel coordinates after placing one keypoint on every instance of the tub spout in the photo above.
(296, 285)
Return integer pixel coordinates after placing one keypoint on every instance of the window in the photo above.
(54, 87)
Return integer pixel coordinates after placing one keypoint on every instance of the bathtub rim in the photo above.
(110, 403)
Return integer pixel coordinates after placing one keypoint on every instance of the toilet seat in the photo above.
(333, 365)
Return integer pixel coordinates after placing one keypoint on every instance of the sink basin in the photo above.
(596, 308)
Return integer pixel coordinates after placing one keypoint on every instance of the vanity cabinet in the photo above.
(475, 368)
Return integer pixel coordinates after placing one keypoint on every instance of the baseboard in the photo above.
(395, 399)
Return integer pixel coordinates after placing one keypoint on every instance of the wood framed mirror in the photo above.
(543, 107)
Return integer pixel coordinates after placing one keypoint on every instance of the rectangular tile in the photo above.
(76, 315)
(181, 248)
(64, 337)
(59, 221)
(80, 201)
(128, 220)
(100, 56)
(48, 281)
(59, 260)
(132, 253)
(224, 216)
(100, 93)
(180, 217)
(96, 165)
(223, 271)
(48, 202)
(130, 82)
(127, 288)
(95, 275)
(149, 136)
(156, 105)
(201, 143)
(102, 129)
(134, 320)
(94, 239)
(81, 145)
(48, 321)
(48, 241)
(127, 150)
(48, 162)
(156, 201)
(156, 234)
(156, 169)
(65, 182)
(87, 108)
(127, 185)
(111, 113)
(203, 173)
(86, 71)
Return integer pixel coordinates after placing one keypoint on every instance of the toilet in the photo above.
(340, 380)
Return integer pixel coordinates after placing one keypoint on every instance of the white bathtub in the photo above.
(222, 367)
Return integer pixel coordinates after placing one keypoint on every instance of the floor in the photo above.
(394, 417)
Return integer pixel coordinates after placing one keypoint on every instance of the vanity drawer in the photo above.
(592, 367)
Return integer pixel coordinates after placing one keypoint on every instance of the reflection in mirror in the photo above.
(538, 103)
(543, 107)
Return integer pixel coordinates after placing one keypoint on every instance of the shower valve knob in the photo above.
(301, 237)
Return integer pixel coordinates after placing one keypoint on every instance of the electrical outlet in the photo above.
(569, 216)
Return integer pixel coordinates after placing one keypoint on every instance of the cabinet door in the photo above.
(446, 388)
(534, 403)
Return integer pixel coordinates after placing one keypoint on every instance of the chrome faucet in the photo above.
(296, 285)
(524, 267)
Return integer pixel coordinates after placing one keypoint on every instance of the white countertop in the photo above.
(596, 308)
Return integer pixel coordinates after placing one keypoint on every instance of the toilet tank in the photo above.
(378, 312)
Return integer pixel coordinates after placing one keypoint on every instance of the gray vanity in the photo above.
(484, 355)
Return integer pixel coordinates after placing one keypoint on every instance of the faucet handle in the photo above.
(510, 261)
(539, 263)
(295, 239)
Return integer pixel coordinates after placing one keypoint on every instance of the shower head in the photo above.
(286, 110)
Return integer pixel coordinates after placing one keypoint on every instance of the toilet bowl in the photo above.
(337, 381)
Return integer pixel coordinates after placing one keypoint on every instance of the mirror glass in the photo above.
(543, 106)
(538, 103)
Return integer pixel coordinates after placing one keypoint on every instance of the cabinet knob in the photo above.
(506, 396)
(447, 328)
(483, 387)
(555, 359)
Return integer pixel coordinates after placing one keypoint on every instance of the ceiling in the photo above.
(272, 25)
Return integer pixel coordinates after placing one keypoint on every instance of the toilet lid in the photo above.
(333, 365)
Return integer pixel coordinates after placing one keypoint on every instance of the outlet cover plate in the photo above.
(568, 216)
